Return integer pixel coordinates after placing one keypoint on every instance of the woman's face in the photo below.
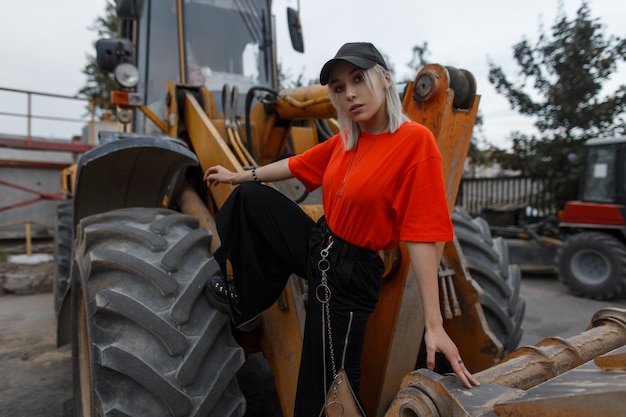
(365, 107)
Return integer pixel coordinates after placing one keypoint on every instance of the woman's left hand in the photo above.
(437, 340)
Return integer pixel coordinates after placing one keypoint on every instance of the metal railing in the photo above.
(28, 114)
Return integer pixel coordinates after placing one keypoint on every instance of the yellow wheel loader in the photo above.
(198, 87)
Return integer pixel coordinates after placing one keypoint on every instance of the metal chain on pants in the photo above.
(323, 294)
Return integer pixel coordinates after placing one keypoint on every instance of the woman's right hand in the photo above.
(219, 175)
(276, 171)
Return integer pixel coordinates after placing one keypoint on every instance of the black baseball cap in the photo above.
(362, 54)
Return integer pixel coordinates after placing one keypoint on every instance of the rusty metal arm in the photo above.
(531, 365)
(545, 379)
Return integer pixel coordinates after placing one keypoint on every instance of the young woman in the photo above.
(381, 184)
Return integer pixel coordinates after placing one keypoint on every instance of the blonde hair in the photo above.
(350, 130)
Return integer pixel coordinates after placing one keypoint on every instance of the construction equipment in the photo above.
(592, 260)
(136, 237)
(585, 245)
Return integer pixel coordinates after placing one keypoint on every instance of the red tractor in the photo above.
(592, 260)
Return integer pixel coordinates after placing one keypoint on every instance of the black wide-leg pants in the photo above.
(267, 237)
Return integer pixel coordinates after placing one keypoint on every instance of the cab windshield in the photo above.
(225, 42)
(599, 178)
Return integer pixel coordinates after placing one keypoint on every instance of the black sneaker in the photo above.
(221, 293)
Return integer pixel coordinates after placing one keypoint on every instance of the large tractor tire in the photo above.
(593, 265)
(488, 263)
(146, 340)
(64, 238)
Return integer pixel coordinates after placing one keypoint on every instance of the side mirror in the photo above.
(295, 29)
(112, 52)
(129, 9)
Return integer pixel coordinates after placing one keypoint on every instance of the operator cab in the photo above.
(212, 43)
(602, 188)
(604, 171)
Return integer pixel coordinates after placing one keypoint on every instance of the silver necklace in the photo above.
(352, 168)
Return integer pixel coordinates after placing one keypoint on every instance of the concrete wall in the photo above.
(39, 171)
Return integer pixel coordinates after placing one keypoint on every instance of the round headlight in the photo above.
(124, 116)
(126, 75)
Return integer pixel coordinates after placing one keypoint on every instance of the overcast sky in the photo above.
(44, 43)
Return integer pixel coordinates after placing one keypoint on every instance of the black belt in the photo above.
(346, 249)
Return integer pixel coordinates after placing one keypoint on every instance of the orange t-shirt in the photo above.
(390, 188)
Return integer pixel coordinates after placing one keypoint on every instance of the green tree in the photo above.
(563, 78)
(418, 59)
(99, 85)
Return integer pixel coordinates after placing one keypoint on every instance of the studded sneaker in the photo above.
(221, 293)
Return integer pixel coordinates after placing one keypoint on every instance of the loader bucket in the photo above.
(129, 170)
